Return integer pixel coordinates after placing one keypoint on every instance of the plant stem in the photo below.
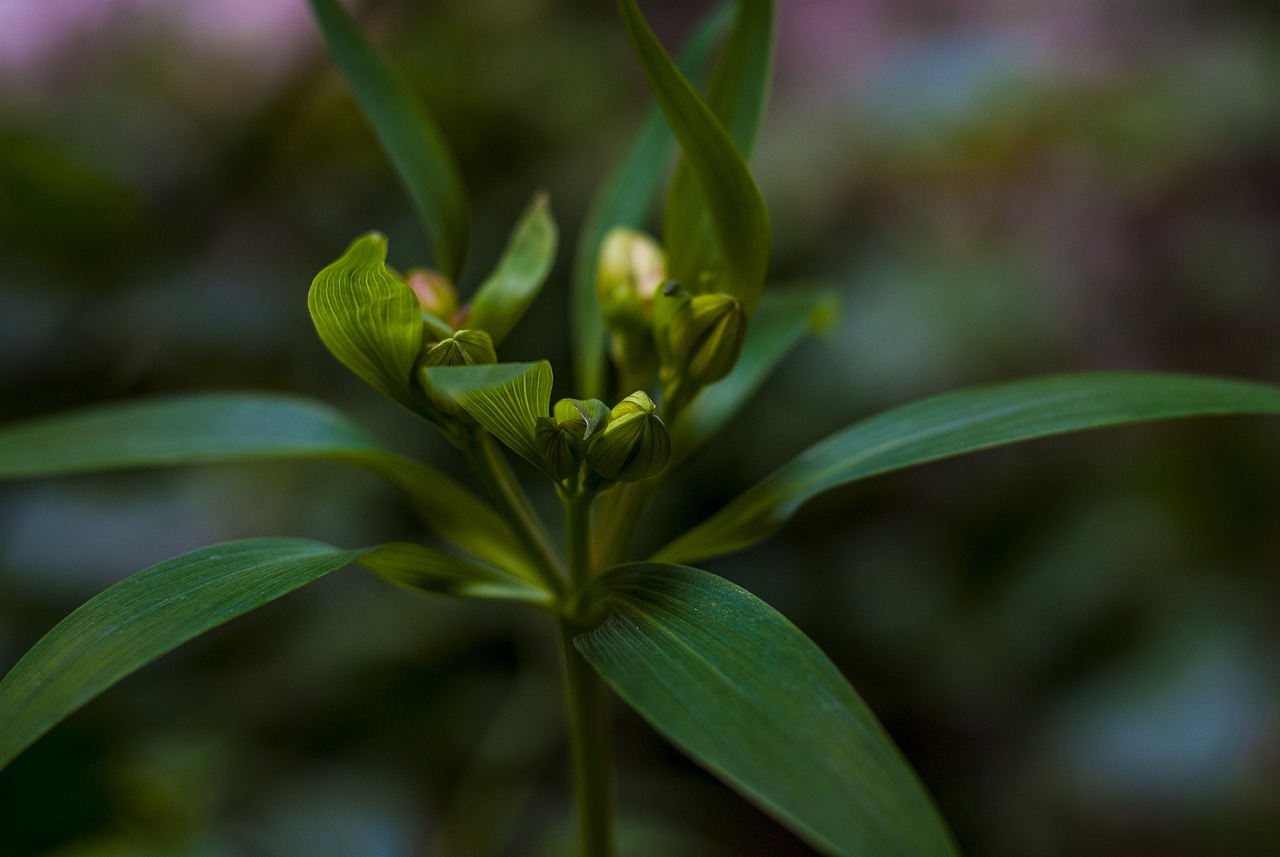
(591, 747)
(504, 489)
(586, 698)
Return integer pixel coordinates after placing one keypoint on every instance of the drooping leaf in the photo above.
(176, 430)
(417, 567)
(409, 134)
(625, 200)
(370, 320)
(736, 98)
(209, 428)
(740, 689)
(144, 617)
(960, 422)
(505, 398)
(783, 318)
(738, 218)
(503, 298)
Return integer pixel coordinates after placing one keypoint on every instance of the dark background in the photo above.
(1074, 641)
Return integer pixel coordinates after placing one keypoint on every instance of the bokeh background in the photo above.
(1076, 641)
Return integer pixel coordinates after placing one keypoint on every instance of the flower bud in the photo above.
(560, 449)
(631, 270)
(563, 438)
(464, 348)
(634, 444)
(705, 338)
(434, 292)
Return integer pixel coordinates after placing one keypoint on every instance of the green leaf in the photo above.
(736, 98)
(503, 298)
(416, 567)
(369, 319)
(505, 398)
(409, 134)
(783, 318)
(960, 422)
(624, 200)
(740, 689)
(738, 218)
(210, 428)
(178, 430)
(144, 617)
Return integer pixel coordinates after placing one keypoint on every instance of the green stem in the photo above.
(504, 490)
(586, 697)
(577, 521)
(591, 747)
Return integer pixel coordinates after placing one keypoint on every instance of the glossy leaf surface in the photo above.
(417, 567)
(505, 398)
(369, 319)
(738, 218)
(522, 269)
(740, 689)
(624, 200)
(409, 134)
(959, 422)
(144, 617)
(209, 428)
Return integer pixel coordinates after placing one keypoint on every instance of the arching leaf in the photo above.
(516, 280)
(422, 568)
(624, 200)
(961, 422)
(145, 616)
(740, 689)
(736, 98)
(209, 428)
(409, 134)
(738, 218)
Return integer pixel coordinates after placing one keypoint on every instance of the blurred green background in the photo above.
(1077, 641)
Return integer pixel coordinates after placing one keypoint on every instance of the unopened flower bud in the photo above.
(582, 417)
(706, 337)
(631, 270)
(564, 437)
(634, 445)
(434, 291)
(560, 449)
(464, 348)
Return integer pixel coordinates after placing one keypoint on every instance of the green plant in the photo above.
(690, 326)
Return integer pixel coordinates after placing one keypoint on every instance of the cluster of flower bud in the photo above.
(624, 444)
(694, 340)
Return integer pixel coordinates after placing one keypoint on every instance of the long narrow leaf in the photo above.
(625, 200)
(416, 567)
(961, 422)
(740, 689)
(144, 617)
(505, 295)
(505, 398)
(409, 134)
(738, 218)
(736, 98)
(210, 428)
(178, 430)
